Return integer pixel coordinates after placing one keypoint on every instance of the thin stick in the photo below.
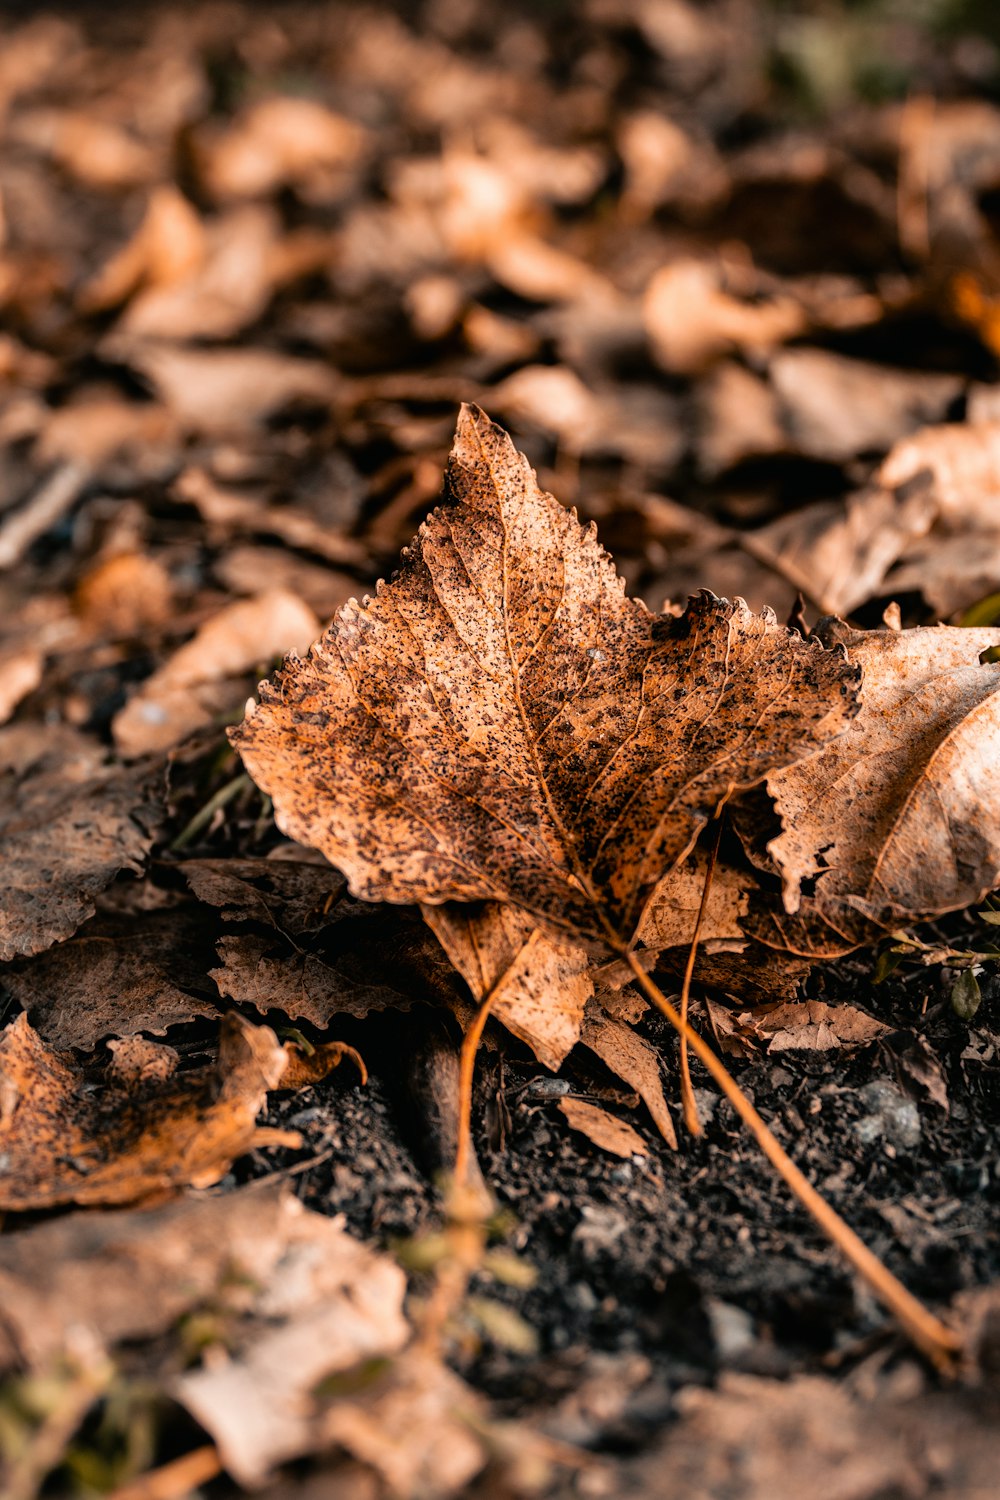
(935, 1338)
(176, 1479)
(467, 1063)
(205, 814)
(691, 1118)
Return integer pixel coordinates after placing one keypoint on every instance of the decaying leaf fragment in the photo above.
(604, 1129)
(803, 1026)
(501, 723)
(69, 822)
(62, 1141)
(898, 819)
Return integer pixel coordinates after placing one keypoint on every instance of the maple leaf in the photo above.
(501, 723)
(897, 820)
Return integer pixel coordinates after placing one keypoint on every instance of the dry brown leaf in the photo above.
(224, 390)
(62, 1141)
(118, 976)
(896, 820)
(97, 152)
(692, 321)
(20, 674)
(962, 461)
(670, 916)
(69, 823)
(633, 1059)
(502, 723)
(168, 246)
(329, 1304)
(124, 595)
(277, 142)
(189, 689)
(240, 569)
(541, 985)
(603, 1129)
(834, 408)
(419, 1426)
(242, 513)
(287, 894)
(809, 1026)
(271, 975)
(132, 1273)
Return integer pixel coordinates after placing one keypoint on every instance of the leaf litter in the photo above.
(239, 322)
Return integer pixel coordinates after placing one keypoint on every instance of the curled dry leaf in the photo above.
(898, 819)
(62, 1141)
(501, 723)
(603, 1128)
(69, 822)
(189, 689)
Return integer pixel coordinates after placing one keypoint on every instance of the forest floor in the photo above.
(730, 276)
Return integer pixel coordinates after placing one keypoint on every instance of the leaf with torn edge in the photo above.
(897, 820)
(633, 1059)
(120, 974)
(63, 1141)
(806, 1026)
(69, 822)
(603, 1128)
(540, 985)
(501, 723)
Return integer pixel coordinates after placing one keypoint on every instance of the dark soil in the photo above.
(685, 1264)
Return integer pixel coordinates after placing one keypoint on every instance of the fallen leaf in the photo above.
(224, 390)
(502, 723)
(69, 822)
(419, 1426)
(62, 1141)
(894, 821)
(167, 247)
(962, 461)
(289, 895)
(118, 976)
(20, 674)
(328, 1304)
(693, 321)
(133, 1273)
(604, 1130)
(274, 143)
(632, 1058)
(834, 407)
(124, 595)
(541, 986)
(189, 689)
(242, 513)
(808, 1026)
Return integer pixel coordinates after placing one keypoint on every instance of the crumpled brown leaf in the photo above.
(502, 723)
(69, 822)
(806, 1026)
(120, 975)
(633, 1059)
(190, 687)
(62, 1141)
(897, 820)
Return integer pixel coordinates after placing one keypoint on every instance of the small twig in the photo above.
(27, 1475)
(50, 502)
(691, 1118)
(934, 1338)
(174, 1480)
(205, 814)
(467, 1062)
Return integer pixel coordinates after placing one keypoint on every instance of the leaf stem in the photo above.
(939, 1342)
(691, 1118)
